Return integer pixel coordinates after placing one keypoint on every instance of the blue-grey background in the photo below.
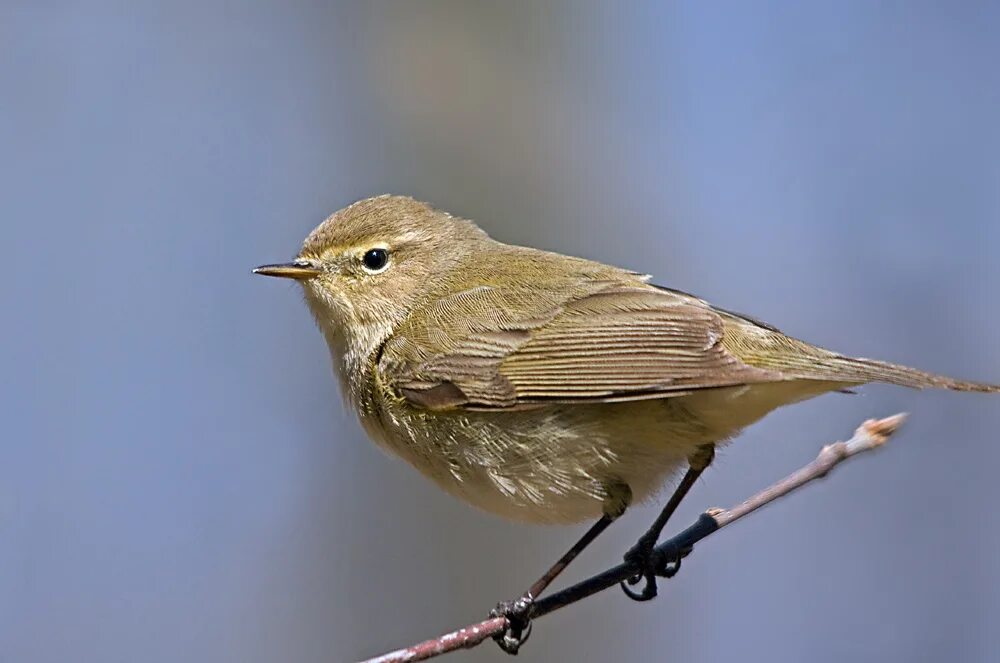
(178, 477)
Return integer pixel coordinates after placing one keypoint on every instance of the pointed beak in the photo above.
(300, 270)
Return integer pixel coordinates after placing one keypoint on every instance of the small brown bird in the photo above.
(538, 386)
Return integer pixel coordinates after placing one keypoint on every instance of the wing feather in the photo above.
(608, 341)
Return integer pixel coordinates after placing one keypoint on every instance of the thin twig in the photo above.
(870, 435)
(463, 638)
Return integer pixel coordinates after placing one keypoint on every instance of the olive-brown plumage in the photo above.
(535, 385)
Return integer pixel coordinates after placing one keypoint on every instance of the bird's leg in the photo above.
(518, 612)
(642, 555)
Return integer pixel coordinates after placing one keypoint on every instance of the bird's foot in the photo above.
(650, 563)
(518, 615)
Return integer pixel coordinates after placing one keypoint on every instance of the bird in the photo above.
(541, 387)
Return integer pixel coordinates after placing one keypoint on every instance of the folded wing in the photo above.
(491, 348)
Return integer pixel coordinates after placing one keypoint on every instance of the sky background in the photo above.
(179, 479)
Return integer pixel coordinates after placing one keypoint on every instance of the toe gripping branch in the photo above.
(518, 615)
(651, 562)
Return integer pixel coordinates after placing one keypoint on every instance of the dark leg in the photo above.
(518, 612)
(539, 586)
(641, 554)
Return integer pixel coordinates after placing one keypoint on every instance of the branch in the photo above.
(870, 435)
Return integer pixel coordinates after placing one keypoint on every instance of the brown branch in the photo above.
(870, 435)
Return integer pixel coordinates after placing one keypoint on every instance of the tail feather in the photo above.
(766, 347)
(870, 370)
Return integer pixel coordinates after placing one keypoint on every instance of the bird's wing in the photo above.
(605, 341)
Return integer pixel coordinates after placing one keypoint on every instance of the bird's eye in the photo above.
(375, 260)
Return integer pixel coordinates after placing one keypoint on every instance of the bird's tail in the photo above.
(871, 370)
(766, 347)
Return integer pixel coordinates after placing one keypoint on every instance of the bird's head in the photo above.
(368, 265)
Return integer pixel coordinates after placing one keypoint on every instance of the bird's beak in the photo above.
(300, 270)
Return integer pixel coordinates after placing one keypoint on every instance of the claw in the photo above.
(518, 615)
(648, 591)
(650, 563)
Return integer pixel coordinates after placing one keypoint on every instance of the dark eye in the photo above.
(375, 259)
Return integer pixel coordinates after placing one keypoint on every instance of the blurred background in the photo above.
(179, 479)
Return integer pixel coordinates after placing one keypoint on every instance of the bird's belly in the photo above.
(563, 464)
(557, 464)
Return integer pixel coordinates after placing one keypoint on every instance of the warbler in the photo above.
(537, 386)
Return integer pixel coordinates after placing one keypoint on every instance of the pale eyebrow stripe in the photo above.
(411, 236)
(402, 240)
